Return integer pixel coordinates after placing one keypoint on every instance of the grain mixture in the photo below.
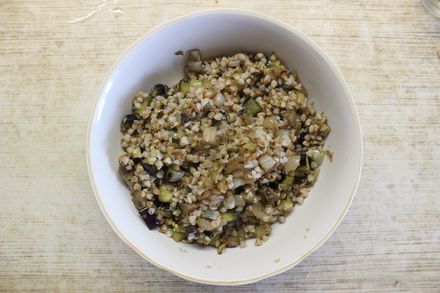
(225, 153)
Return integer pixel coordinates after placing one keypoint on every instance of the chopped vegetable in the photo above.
(259, 213)
(184, 87)
(174, 176)
(239, 200)
(251, 107)
(286, 204)
(210, 135)
(205, 224)
(149, 219)
(304, 165)
(229, 217)
(235, 164)
(274, 184)
(232, 241)
(316, 155)
(274, 63)
(329, 155)
(178, 236)
(211, 214)
(270, 123)
(165, 194)
(259, 231)
(150, 169)
(283, 134)
(292, 163)
(292, 119)
(125, 175)
(219, 99)
(127, 122)
(267, 162)
(286, 183)
(262, 230)
(195, 83)
(250, 146)
(159, 90)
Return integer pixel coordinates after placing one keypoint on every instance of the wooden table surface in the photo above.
(53, 236)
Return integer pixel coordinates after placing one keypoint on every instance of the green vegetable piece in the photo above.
(259, 231)
(251, 108)
(144, 105)
(304, 168)
(316, 155)
(165, 194)
(274, 64)
(184, 87)
(221, 248)
(213, 241)
(262, 230)
(178, 236)
(286, 183)
(195, 83)
(229, 217)
(286, 204)
(250, 146)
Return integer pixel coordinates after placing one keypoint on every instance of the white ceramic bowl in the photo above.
(152, 60)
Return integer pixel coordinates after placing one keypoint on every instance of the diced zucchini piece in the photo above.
(228, 217)
(178, 236)
(184, 87)
(286, 183)
(274, 64)
(292, 163)
(270, 123)
(259, 231)
(165, 194)
(250, 146)
(210, 135)
(195, 83)
(286, 204)
(305, 165)
(251, 108)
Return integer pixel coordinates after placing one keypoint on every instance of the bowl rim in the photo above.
(333, 67)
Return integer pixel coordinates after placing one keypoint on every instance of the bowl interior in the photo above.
(152, 60)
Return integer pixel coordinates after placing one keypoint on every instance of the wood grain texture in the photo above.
(53, 236)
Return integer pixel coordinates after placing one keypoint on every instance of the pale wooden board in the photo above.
(53, 236)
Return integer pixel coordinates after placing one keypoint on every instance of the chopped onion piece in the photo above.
(210, 135)
(266, 162)
(219, 99)
(205, 224)
(292, 164)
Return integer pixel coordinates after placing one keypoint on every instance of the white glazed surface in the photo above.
(152, 60)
